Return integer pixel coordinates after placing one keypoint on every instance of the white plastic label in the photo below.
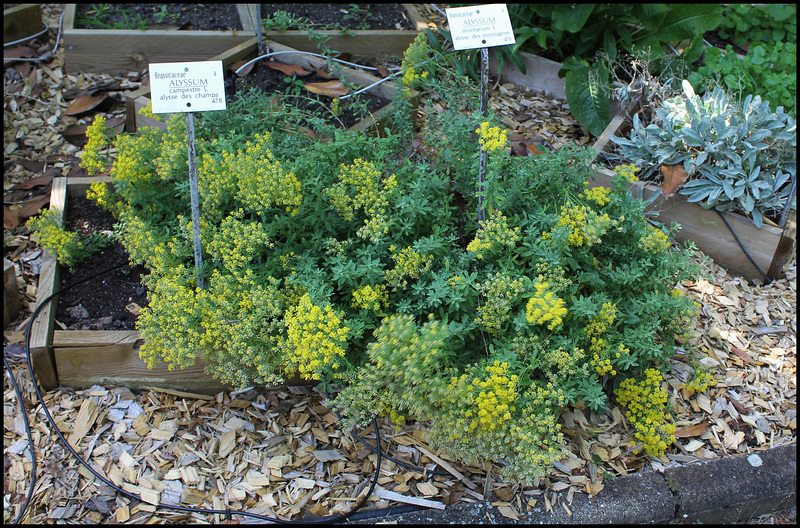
(187, 87)
(480, 26)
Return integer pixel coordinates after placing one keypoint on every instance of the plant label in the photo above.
(481, 26)
(187, 87)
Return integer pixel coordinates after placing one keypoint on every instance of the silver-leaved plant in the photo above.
(738, 157)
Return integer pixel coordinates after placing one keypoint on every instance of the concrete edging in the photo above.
(728, 489)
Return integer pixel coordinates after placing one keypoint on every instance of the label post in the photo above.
(481, 27)
(189, 87)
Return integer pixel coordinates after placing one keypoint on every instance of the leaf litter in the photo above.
(280, 452)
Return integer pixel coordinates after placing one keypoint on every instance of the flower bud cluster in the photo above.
(646, 402)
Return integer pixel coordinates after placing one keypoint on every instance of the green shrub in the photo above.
(359, 260)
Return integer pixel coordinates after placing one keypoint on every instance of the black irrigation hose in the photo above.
(30, 440)
(327, 519)
(746, 254)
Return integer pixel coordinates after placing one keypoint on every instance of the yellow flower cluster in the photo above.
(655, 241)
(600, 322)
(701, 381)
(493, 235)
(598, 195)
(170, 323)
(360, 187)
(493, 397)
(369, 298)
(147, 111)
(237, 242)
(564, 365)
(66, 246)
(491, 138)
(314, 338)
(415, 54)
(262, 181)
(96, 141)
(628, 171)
(586, 225)
(409, 264)
(544, 306)
(500, 291)
(101, 194)
(646, 402)
(602, 365)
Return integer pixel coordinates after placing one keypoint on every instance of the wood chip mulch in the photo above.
(282, 452)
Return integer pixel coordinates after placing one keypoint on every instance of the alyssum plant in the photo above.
(359, 261)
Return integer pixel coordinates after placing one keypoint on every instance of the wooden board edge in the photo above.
(21, 21)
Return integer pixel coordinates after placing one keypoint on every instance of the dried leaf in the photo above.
(288, 69)
(691, 430)
(75, 135)
(329, 88)
(22, 52)
(744, 356)
(44, 179)
(674, 177)
(10, 218)
(322, 73)
(33, 205)
(84, 103)
(508, 511)
(236, 65)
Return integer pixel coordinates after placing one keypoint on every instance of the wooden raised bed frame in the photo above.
(247, 50)
(20, 21)
(369, 44)
(115, 51)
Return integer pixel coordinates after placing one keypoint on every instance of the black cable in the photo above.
(327, 519)
(746, 254)
(30, 440)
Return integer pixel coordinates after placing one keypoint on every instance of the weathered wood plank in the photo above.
(120, 364)
(91, 338)
(613, 127)
(115, 51)
(42, 328)
(364, 44)
(22, 21)
(98, 357)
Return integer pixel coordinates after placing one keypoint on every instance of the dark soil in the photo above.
(216, 17)
(272, 81)
(221, 17)
(350, 16)
(99, 303)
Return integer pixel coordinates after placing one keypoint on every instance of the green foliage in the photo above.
(769, 71)
(575, 33)
(769, 68)
(752, 23)
(360, 259)
(69, 248)
(739, 157)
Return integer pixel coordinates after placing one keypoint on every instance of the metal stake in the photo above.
(198, 251)
(484, 112)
